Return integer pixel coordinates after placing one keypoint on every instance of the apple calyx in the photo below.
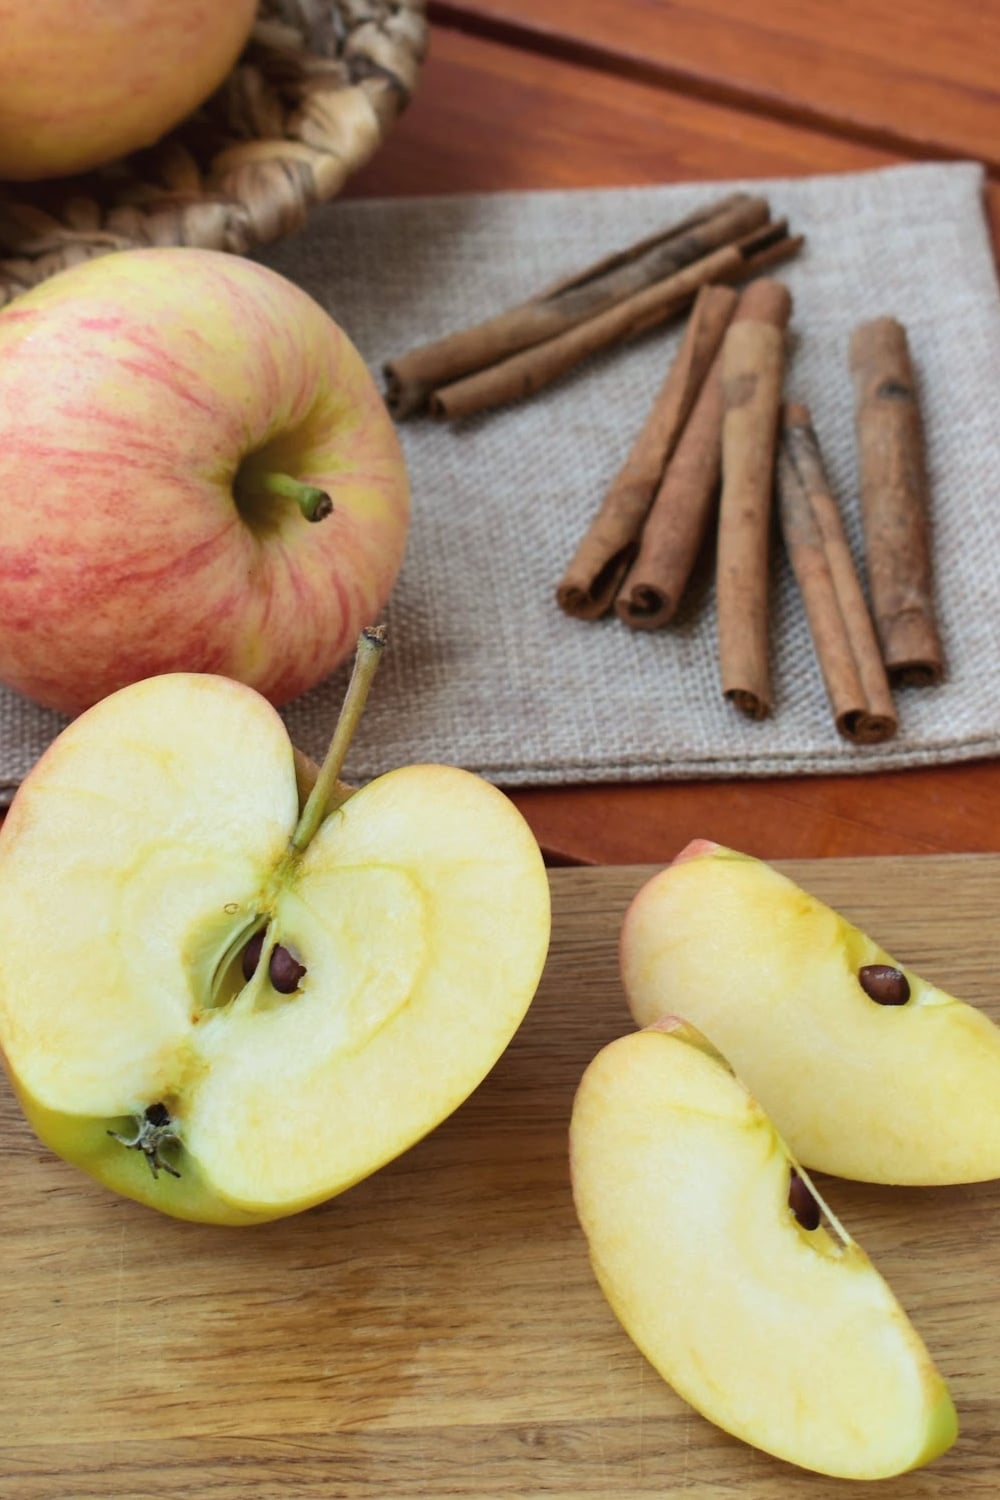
(315, 504)
(154, 1129)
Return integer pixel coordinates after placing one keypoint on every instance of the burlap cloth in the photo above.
(482, 669)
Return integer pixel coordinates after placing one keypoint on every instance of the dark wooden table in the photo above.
(522, 94)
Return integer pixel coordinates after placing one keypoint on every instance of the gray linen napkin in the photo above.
(482, 669)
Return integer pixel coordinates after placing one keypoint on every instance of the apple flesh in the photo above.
(160, 411)
(143, 855)
(868, 1071)
(84, 83)
(785, 1336)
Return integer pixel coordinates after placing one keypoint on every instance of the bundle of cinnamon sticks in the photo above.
(716, 444)
(523, 349)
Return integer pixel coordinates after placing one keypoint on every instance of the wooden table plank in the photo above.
(945, 810)
(490, 118)
(920, 79)
(437, 1330)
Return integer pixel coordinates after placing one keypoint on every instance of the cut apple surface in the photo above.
(868, 1070)
(271, 1023)
(784, 1335)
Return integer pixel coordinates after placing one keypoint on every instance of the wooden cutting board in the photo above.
(437, 1330)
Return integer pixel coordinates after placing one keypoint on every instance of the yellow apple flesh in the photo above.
(147, 846)
(786, 1337)
(85, 81)
(147, 399)
(894, 1093)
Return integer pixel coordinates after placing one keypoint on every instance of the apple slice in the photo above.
(868, 1071)
(698, 1224)
(194, 980)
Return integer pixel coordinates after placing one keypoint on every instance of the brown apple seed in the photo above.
(285, 971)
(802, 1203)
(251, 955)
(884, 984)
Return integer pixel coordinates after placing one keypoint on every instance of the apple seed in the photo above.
(284, 971)
(155, 1129)
(251, 954)
(884, 984)
(802, 1203)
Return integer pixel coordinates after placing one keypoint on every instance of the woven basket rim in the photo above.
(317, 89)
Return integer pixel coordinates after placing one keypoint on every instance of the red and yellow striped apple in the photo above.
(168, 420)
(85, 81)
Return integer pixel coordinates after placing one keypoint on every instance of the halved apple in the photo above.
(867, 1070)
(226, 1013)
(783, 1334)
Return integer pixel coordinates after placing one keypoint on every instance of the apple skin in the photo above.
(897, 1094)
(132, 389)
(85, 81)
(784, 1335)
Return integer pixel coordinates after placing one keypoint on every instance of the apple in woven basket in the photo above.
(85, 81)
(732, 1276)
(868, 1070)
(228, 1008)
(206, 479)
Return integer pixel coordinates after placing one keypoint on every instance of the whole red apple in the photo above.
(85, 81)
(168, 420)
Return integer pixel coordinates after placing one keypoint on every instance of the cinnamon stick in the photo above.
(679, 516)
(753, 362)
(843, 634)
(412, 377)
(588, 587)
(894, 502)
(532, 369)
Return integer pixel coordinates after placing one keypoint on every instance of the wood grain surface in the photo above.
(436, 1331)
(490, 117)
(919, 78)
(946, 809)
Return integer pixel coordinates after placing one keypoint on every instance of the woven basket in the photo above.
(317, 88)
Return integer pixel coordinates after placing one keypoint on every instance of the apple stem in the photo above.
(312, 502)
(324, 797)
